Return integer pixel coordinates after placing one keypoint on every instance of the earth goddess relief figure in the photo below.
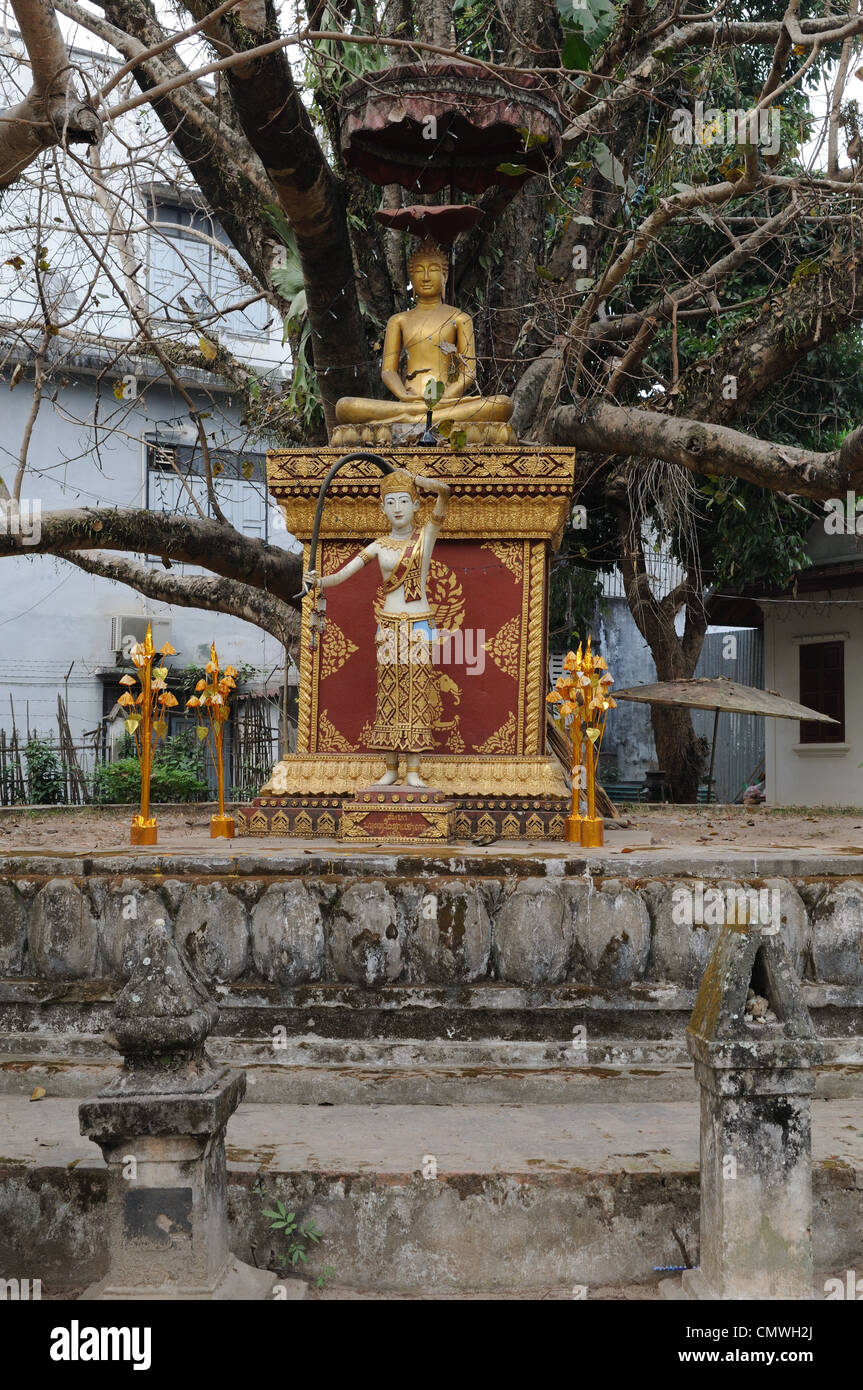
(406, 678)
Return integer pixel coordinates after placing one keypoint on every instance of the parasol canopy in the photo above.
(442, 223)
(720, 693)
(455, 125)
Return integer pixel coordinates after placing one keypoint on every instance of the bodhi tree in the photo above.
(693, 250)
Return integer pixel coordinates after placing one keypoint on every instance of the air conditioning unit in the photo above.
(126, 630)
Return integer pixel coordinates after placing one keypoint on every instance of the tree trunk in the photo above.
(679, 753)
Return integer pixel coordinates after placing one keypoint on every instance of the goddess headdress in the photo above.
(400, 480)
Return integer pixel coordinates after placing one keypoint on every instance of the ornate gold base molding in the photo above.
(325, 774)
(506, 491)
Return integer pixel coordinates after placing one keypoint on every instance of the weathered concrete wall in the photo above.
(513, 922)
(461, 1232)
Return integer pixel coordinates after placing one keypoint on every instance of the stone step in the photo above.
(386, 1075)
(431, 1198)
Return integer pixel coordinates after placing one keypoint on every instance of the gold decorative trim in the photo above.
(304, 698)
(520, 517)
(507, 492)
(336, 649)
(502, 740)
(331, 736)
(325, 774)
(337, 555)
(522, 674)
(503, 648)
(534, 644)
(510, 555)
(438, 827)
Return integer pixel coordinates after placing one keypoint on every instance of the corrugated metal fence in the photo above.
(740, 737)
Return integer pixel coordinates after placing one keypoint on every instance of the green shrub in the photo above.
(46, 785)
(178, 775)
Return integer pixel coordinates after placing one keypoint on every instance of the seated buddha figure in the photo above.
(438, 343)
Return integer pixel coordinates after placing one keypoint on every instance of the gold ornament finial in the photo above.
(582, 698)
(210, 702)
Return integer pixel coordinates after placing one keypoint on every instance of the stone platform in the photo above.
(515, 1012)
(531, 1197)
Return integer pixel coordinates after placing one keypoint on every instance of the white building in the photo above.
(112, 429)
(813, 654)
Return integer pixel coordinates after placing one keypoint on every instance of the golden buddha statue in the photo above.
(406, 678)
(438, 342)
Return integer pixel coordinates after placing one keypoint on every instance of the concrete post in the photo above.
(756, 1082)
(161, 1127)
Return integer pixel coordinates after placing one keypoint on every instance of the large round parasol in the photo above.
(454, 125)
(720, 693)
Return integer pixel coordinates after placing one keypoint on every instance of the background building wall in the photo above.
(814, 774)
(53, 615)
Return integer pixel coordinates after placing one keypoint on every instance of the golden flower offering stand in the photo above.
(147, 723)
(580, 702)
(211, 704)
(484, 767)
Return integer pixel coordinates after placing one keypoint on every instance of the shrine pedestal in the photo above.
(399, 815)
(488, 588)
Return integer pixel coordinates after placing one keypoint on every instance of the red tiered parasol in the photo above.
(442, 223)
(453, 125)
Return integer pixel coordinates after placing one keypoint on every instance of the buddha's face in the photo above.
(428, 277)
(399, 508)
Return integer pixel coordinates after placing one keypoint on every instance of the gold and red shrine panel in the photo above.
(489, 604)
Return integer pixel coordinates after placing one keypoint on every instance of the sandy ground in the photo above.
(88, 829)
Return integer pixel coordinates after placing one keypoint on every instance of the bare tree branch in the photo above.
(210, 544)
(197, 591)
(703, 447)
(53, 112)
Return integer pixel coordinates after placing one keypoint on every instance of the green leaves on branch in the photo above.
(297, 1237)
(288, 281)
(714, 493)
(586, 26)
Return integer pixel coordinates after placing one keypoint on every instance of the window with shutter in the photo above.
(239, 481)
(180, 263)
(822, 688)
(183, 265)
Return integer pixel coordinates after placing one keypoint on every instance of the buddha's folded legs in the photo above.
(469, 410)
(358, 410)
